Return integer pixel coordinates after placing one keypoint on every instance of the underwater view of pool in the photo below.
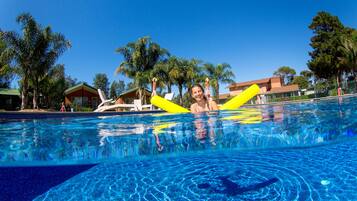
(297, 151)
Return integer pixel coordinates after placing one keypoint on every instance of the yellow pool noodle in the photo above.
(159, 128)
(233, 104)
(242, 98)
(167, 105)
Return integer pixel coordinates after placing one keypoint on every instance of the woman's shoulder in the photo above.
(212, 102)
(213, 105)
(193, 105)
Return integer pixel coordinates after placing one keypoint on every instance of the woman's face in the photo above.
(197, 93)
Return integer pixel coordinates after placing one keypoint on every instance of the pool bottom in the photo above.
(319, 173)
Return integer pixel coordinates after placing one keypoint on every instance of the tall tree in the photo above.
(199, 75)
(221, 73)
(286, 73)
(100, 81)
(140, 58)
(35, 52)
(348, 56)
(53, 86)
(70, 81)
(49, 47)
(129, 86)
(116, 88)
(327, 30)
(22, 48)
(301, 81)
(183, 71)
(308, 75)
(6, 72)
(162, 72)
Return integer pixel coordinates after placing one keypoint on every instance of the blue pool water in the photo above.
(300, 151)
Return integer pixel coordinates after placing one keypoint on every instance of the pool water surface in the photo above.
(299, 151)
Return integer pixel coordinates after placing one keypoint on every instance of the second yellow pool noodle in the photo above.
(167, 105)
(242, 98)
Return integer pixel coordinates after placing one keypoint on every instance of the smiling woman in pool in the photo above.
(202, 104)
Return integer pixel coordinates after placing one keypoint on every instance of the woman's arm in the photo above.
(214, 105)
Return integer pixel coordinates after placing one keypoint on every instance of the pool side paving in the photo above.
(44, 115)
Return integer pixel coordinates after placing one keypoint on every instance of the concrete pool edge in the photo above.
(44, 115)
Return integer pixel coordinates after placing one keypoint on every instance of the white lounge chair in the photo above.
(104, 99)
(169, 96)
(109, 104)
(139, 106)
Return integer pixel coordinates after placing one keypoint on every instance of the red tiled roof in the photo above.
(248, 83)
(224, 96)
(240, 84)
(284, 89)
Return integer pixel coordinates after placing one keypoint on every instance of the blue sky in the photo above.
(254, 37)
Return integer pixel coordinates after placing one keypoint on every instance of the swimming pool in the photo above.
(300, 151)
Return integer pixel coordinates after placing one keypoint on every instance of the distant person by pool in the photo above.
(63, 107)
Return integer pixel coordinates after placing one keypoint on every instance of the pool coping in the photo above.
(43, 115)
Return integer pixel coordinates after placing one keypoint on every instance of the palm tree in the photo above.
(183, 71)
(162, 71)
(22, 49)
(198, 77)
(348, 59)
(49, 47)
(140, 58)
(221, 73)
(35, 53)
(6, 73)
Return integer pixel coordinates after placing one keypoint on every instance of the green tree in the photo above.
(50, 47)
(199, 75)
(140, 57)
(21, 48)
(348, 56)
(100, 81)
(183, 72)
(301, 81)
(308, 75)
(6, 72)
(221, 73)
(70, 81)
(129, 86)
(116, 88)
(53, 87)
(327, 30)
(162, 72)
(35, 52)
(286, 73)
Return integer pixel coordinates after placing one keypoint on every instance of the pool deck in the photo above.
(42, 115)
(305, 100)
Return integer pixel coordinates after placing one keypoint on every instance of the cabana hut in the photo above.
(129, 96)
(10, 99)
(82, 95)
